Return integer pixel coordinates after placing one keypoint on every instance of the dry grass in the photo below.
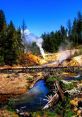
(6, 113)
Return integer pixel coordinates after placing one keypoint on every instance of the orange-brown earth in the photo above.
(12, 85)
(6, 113)
(17, 84)
(61, 58)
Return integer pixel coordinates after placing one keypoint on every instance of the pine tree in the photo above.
(23, 28)
(69, 25)
(2, 20)
(79, 27)
(13, 45)
(74, 32)
(77, 30)
(3, 33)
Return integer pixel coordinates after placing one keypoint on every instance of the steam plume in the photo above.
(39, 44)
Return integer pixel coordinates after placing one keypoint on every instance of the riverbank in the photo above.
(13, 85)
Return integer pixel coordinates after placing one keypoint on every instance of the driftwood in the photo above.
(60, 91)
(52, 100)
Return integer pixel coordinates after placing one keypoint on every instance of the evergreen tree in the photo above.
(77, 30)
(3, 34)
(8, 56)
(74, 32)
(23, 28)
(13, 45)
(2, 20)
(19, 40)
(53, 40)
(69, 25)
(63, 33)
(79, 27)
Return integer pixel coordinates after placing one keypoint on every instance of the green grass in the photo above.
(30, 79)
(10, 105)
(52, 79)
(67, 86)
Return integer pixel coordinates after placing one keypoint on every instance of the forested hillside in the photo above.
(10, 42)
(66, 36)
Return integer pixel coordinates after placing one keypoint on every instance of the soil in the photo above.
(13, 85)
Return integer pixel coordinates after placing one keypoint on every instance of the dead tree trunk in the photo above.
(60, 91)
(52, 101)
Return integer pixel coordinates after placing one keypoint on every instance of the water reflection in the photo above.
(33, 99)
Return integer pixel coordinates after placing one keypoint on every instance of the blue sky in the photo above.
(41, 15)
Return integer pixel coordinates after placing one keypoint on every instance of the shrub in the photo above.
(11, 104)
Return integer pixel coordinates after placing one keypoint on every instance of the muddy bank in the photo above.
(13, 85)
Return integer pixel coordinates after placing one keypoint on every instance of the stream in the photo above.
(78, 77)
(33, 100)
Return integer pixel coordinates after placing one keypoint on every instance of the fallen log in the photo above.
(60, 91)
(52, 101)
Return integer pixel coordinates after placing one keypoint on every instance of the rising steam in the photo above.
(30, 38)
(39, 44)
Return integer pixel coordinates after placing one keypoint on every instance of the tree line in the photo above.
(11, 44)
(71, 34)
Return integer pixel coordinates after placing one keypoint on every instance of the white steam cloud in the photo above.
(30, 37)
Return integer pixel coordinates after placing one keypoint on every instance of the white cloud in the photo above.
(30, 37)
(26, 31)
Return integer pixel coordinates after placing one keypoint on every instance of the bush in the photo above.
(30, 79)
(67, 86)
(11, 104)
(51, 79)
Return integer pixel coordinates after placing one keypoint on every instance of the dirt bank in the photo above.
(13, 85)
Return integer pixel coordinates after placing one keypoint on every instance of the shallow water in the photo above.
(33, 100)
(74, 78)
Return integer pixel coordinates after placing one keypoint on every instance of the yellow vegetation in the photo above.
(74, 102)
